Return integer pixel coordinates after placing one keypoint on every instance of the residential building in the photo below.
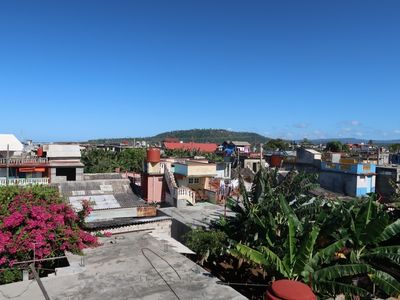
(254, 164)
(176, 181)
(387, 179)
(195, 175)
(153, 186)
(52, 163)
(348, 177)
(308, 156)
(234, 147)
(223, 170)
(394, 158)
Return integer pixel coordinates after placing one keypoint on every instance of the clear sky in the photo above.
(75, 70)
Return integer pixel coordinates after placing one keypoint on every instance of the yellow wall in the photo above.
(204, 183)
(202, 170)
(153, 168)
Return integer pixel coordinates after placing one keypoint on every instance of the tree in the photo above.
(104, 161)
(276, 144)
(206, 244)
(394, 148)
(306, 142)
(336, 146)
(131, 159)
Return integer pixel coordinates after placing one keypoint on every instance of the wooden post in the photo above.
(37, 278)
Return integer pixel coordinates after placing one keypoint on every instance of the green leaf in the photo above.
(243, 192)
(363, 217)
(390, 252)
(288, 211)
(257, 189)
(306, 249)
(389, 232)
(385, 250)
(337, 271)
(266, 258)
(291, 239)
(374, 228)
(386, 282)
(334, 288)
(328, 252)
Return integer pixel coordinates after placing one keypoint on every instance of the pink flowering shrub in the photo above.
(103, 234)
(36, 220)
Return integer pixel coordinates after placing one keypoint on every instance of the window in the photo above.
(194, 180)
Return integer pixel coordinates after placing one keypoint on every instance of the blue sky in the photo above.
(75, 70)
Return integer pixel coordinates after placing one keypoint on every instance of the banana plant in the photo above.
(370, 230)
(302, 262)
(328, 271)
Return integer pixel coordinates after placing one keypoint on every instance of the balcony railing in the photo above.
(24, 181)
(185, 193)
(22, 161)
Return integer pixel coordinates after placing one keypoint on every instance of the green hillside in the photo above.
(196, 135)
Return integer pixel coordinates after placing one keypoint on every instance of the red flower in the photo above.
(13, 220)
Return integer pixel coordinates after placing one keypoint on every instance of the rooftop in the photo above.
(127, 266)
(312, 151)
(240, 143)
(10, 140)
(200, 215)
(57, 150)
(105, 193)
(203, 147)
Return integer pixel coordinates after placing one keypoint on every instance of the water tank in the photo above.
(40, 152)
(153, 155)
(289, 290)
(276, 161)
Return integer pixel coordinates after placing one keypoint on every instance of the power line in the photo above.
(159, 274)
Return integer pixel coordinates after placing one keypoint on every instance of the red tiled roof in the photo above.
(202, 147)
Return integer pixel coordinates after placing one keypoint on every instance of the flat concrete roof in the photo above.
(126, 266)
(200, 215)
(57, 150)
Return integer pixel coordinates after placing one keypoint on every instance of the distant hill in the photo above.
(212, 136)
(197, 135)
(220, 135)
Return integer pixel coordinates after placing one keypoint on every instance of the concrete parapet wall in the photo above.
(161, 227)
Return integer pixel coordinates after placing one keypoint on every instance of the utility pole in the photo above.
(379, 152)
(7, 163)
(261, 154)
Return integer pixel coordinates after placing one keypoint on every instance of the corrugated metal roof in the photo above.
(203, 147)
(98, 201)
(313, 151)
(12, 141)
(240, 143)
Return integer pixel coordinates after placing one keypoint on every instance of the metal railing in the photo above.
(24, 181)
(185, 193)
(26, 160)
